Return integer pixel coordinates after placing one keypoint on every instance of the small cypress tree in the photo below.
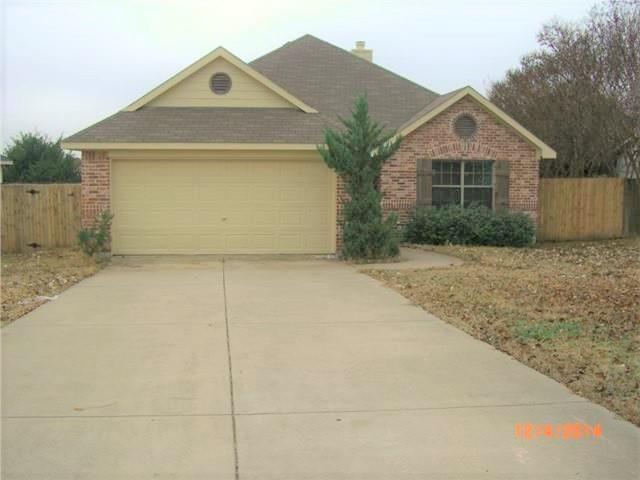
(357, 154)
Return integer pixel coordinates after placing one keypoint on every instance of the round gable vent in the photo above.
(465, 126)
(220, 83)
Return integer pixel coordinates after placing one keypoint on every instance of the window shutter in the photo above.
(424, 183)
(501, 170)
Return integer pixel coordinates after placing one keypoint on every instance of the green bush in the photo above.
(357, 153)
(38, 159)
(470, 226)
(94, 240)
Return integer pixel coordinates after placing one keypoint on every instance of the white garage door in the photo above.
(231, 205)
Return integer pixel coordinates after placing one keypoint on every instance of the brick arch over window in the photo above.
(462, 150)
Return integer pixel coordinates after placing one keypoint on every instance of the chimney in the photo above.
(362, 52)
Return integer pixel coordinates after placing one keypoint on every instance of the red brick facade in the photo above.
(96, 190)
(433, 140)
(436, 140)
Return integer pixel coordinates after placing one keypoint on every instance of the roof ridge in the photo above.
(344, 51)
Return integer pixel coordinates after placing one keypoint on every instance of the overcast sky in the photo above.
(69, 63)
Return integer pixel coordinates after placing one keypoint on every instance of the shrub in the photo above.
(94, 240)
(470, 226)
(357, 153)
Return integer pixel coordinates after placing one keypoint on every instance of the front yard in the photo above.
(31, 279)
(570, 311)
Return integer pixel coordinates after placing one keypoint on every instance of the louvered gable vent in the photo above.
(220, 83)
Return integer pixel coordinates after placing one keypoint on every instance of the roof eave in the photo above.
(81, 146)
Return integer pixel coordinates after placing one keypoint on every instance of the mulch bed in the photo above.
(31, 279)
(568, 310)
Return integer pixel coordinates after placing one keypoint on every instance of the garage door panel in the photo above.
(291, 241)
(238, 220)
(314, 242)
(315, 194)
(133, 193)
(183, 242)
(139, 241)
(265, 171)
(315, 220)
(207, 193)
(205, 217)
(263, 193)
(181, 218)
(237, 171)
(210, 243)
(179, 194)
(292, 193)
(263, 218)
(131, 220)
(291, 218)
(236, 193)
(236, 242)
(263, 242)
(156, 242)
(221, 206)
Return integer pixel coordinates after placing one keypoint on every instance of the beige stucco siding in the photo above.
(245, 91)
(235, 204)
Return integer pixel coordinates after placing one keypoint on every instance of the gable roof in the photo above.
(318, 78)
(219, 52)
(443, 102)
(330, 79)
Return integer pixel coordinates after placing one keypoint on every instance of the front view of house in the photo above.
(221, 158)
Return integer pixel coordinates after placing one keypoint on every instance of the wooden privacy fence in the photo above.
(586, 208)
(39, 216)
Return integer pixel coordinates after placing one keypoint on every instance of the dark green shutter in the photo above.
(501, 169)
(424, 183)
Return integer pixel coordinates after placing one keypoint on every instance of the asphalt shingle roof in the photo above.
(329, 79)
(322, 75)
(205, 125)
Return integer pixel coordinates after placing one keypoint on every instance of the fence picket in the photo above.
(580, 208)
(49, 218)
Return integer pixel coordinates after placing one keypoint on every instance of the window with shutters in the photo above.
(456, 182)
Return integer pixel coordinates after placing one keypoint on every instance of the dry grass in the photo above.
(570, 311)
(27, 278)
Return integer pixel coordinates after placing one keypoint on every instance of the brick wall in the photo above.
(342, 198)
(436, 140)
(95, 170)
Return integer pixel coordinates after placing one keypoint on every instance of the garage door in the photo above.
(229, 205)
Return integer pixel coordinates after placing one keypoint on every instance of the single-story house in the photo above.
(221, 158)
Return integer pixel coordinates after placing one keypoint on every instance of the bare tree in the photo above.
(580, 91)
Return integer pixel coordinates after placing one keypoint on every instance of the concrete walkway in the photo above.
(273, 369)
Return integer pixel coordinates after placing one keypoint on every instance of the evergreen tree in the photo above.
(37, 159)
(357, 154)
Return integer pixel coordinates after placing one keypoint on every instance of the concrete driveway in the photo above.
(276, 369)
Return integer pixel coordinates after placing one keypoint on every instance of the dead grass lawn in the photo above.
(570, 311)
(28, 278)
